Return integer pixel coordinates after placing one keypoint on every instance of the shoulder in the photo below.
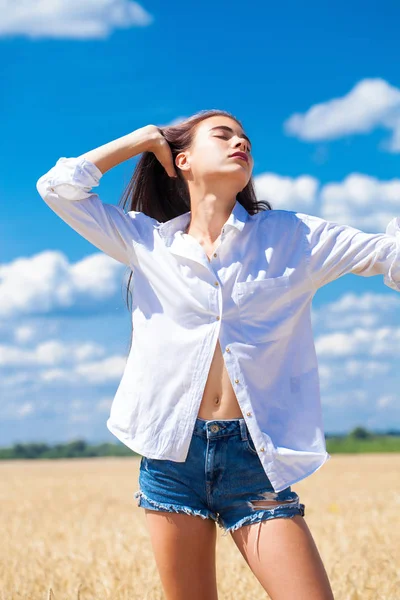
(300, 220)
(276, 218)
(297, 225)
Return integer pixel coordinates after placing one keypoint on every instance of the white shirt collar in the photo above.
(237, 219)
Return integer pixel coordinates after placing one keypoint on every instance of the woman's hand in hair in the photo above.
(158, 145)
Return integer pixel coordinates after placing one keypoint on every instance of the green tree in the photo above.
(360, 433)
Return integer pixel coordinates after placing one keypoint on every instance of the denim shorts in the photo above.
(220, 479)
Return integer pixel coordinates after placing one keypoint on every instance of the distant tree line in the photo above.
(74, 449)
(81, 449)
(360, 433)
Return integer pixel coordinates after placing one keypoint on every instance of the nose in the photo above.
(242, 145)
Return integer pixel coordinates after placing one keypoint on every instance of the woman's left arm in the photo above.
(335, 250)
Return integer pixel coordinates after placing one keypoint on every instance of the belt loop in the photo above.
(243, 429)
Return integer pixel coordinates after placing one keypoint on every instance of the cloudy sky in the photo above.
(318, 93)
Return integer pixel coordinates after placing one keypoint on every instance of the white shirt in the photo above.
(254, 296)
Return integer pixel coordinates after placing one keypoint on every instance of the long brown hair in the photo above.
(152, 191)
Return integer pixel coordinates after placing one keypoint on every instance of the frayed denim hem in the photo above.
(263, 515)
(178, 508)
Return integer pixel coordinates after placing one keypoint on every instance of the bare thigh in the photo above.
(283, 556)
(184, 549)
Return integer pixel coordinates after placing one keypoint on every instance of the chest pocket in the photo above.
(266, 308)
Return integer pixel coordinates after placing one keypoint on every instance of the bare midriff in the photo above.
(219, 399)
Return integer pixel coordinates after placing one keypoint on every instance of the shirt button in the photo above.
(262, 449)
(227, 349)
(217, 318)
(52, 189)
(215, 254)
(249, 414)
(236, 380)
(216, 283)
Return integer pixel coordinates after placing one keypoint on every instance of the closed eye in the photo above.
(224, 137)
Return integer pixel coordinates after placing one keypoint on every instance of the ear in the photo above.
(182, 161)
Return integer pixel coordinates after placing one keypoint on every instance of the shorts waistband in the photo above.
(213, 428)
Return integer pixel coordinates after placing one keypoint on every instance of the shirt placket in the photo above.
(231, 363)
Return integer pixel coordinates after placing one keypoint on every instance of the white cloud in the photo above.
(357, 344)
(368, 369)
(47, 282)
(29, 329)
(96, 274)
(50, 375)
(72, 19)
(361, 201)
(56, 362)
(384, 341)
(337, 370)
(371, 104)
(25, 409)
(356, 310)
(288, 193)
(96, 372)
(51, 352)
(346, 399)
(24, 333)
(387, 400)
(110, 368)
(104, 404)
(79, 417)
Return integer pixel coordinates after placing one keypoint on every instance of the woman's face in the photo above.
(216, 138)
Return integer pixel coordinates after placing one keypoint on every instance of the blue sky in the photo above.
(318, 92)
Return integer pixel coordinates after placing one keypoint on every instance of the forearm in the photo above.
(117, 151)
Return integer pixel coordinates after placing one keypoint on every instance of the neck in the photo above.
(205, 223)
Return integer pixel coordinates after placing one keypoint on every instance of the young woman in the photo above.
(220, 394)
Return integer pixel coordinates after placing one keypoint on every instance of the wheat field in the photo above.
(72, 529)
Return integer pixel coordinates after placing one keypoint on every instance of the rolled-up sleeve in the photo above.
(66, 189)
(335, 250)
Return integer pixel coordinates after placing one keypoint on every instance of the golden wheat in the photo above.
(71, 529)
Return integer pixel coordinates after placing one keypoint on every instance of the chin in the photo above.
(241, 172)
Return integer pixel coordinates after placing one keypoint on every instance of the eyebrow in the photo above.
(230, 130)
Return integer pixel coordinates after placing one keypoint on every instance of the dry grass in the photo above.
(71, 528)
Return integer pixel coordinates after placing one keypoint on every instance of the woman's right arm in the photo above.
(144, 139)
(66, 189)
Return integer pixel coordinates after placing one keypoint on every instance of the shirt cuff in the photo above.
(74, 178)
(392, 279)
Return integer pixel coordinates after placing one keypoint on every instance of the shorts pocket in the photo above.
(249, 445)
(265, 308)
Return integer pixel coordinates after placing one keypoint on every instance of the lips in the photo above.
(240, 155)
